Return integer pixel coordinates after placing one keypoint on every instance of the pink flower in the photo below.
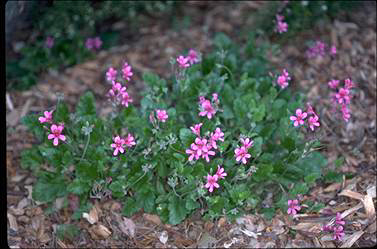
(327, 228)
(126, 99)
(127, 71)
(118, 145)
(343, 96)
(333, 50)
(207, 109)
(348, 84)
(317, 50)
(49, 42)
(338, 219)
(346, 113)
(215, 98)
(206, 153)
(183, 62)
(333, 84)
(283, 79)
(201, 99)
(97, 43)
(200, 146)
(299, 118)
(313, 121)
(242, 154)
(162, 115)
(247, 143)
(310, 109)
(89, 43)
(117, 89)
(129, 141)
(56, 134)
(47, 118)
(196, 129)
(220, 172)
(193, 152)
(217, 135)
(338, 233)
(111, 74)
(212, 182)
(192, 57)
(281, 25)
(293, 206)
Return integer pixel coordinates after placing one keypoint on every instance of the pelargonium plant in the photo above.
(218, 139)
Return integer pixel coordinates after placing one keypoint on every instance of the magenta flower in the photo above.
(200, 146)
(193, 152)
(192, 56)
(201, 99)
(118, 145)
(212, 182)
(220, 172)
(116, 90)
(293, 206)
(333, 84)
(310, 109)
(333, 50)
(348, 84)
(207, 109)
(318, 49)
(247, 143)
(313, 121)
(89, 43)
(281, 25)
(196, 129)
(343, 96)
(338, 219)
(346, 113)
(111, 74)
(326, 228)
(129, 141)
(47, 118)
(56, 131)
(97, 43)
(49, 42)
(299, 118)
(162, 115)
(127, 71)
(183, 62)
(206, 153)
(338, 233)
(283, 79)
(126, 99)
(219, 135)
(242, 154)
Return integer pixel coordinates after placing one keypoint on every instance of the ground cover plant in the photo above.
(218, 136)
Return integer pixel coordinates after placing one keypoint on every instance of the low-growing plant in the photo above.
(222, 135)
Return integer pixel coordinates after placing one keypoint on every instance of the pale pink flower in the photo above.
(310, 109)
(338, 233)
(97, 43)
(333, 84)
(206, 153)
(220, 172)
(49, 42)
(118, 145)
(212, 182)
(193, 152)
(343, 96)
(215, 98)
(47, 118)
(117, 89)
(201, 99)
(293, 206)
(283, 79)
(129, 141)
(89, 43)
(333, 50)
(162, 115)
(214, 136)
(200, 146)
(56, 131)
(126, 99)
(127, 71)
(183, 61)
(338, 219)
(299, 118)
(247, 143)
(348, 84)
(192, 56)
(242, 154)
(318, 49)
(281, 25)
(346, 113)
(207, 109)
(196, 129)
(313, 121)
(111, 74)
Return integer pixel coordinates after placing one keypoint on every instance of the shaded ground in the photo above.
(355, 37)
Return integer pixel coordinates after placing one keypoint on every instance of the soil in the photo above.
(354, 35)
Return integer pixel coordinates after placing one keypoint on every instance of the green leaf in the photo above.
(288, 143)
(191, 204)
(186, 136)
(221, 40)
(268, 213)
(339, 162)
(130, 207)
(152, 79)
(258, 113)
(61, 114)
(86, 105)
(67, 231)
(86, 170)
(78, 187)
(117, 188)
(33, 124)
(299, 188)
(256, 149)
(311, 178)
(49, 187)
(147, 199)
(263, 172)
(31, 159)
(177, 210)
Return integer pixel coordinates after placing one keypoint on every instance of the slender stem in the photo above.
(86, 147)
(176, 193)
(138, 179)
(231, 75)
(176, 150)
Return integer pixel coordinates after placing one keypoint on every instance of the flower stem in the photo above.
(86, 147)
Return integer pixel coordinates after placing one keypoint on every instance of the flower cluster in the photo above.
(212, 180)
(119, 143)
(241, 153)
(56, 133)
(202, 147)
(190, 59)
(118, 94)
(281, 26)
(342, 97)
(49, 43)
(208, 108)
(162, 115)
(93, 43)
(319, 49)
(293, 207)
(313, 120)
(283, 79)
(47, 117)
(336, 228)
